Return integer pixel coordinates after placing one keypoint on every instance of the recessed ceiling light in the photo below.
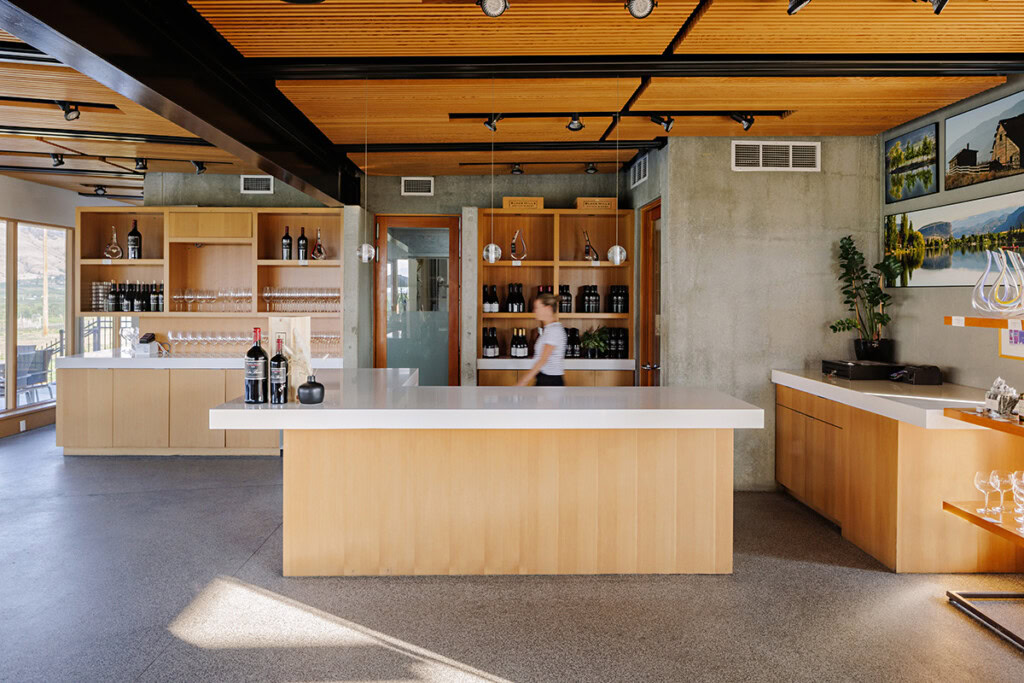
(517, 169)
(796, 5)
(491, 123)
(71, 111)
(745, 121)
(591, 168)
(200, 167)
(100, 190)
(493, 8)
(576, 124)
(141, 165)
(665, 122)
(641, 9)
(58, 159)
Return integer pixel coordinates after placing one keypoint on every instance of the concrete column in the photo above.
(470, 284)
(357, 310)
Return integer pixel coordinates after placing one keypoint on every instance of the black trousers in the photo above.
(550, 380)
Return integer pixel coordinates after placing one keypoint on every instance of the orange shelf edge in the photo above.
(967, 510)
(973, 418)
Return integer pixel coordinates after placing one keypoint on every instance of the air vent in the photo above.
(257, 184)
(417, 187)
(638, 172)
(776, 156)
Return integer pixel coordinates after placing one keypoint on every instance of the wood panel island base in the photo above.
(432, 480)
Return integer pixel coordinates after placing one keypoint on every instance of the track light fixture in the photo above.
(200, 167)
(71, 111)
(517, 169)
(576, 124)
(665, 122)
(591, 168)
(937, 5)
(491, 123)
(100, 190)
(141, 164)
(641, 9)
(493, 8)
(58, 160)
(745, 121)
(796, 5)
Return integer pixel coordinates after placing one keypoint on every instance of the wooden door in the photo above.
(402, 309)
(649, 355)
(192, 394)
(140, 405)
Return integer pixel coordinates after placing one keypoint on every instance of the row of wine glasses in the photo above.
(1001, 482)
(302, 299)
(323, 345)
(229, 344)
(230, 298)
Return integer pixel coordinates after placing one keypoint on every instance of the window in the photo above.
(3, 315)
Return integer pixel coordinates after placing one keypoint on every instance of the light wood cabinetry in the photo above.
(210, 224)
(497, 378)
(140, 403)
(192, 394)
(573, 378)
(84, 408)
(884, 482)
(264, 441)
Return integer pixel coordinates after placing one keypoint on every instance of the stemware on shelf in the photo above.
(983, 482)
(1001, 483)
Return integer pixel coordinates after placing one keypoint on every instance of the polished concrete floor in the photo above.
(169, 569)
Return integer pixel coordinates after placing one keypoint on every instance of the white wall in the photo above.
(28, 201)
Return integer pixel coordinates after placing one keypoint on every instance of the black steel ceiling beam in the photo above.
(682, 113)
(558, 146)
(165, 56)
(22, 53)
(71, 156)
(70, 171)
(103, 136)
(611, 66)
(39, 100)
(111, 196)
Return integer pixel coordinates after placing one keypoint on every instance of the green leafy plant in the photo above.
(864, 291)
(596, 340)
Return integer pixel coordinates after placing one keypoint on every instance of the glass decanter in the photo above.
(112, 250)
(318, 253)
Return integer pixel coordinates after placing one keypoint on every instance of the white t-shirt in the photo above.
(553, 335)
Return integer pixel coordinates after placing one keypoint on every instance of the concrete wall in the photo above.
(968, 356)
(357, 307)
(213, 189)
(470, 285)
(749, 272)
(28, 201)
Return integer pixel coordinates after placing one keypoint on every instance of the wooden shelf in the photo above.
(294, 263)
(121, 262)
(247, 241)
(983, 421)
(595, 316)
(507, 315)
(991, 323)
(523, 264)
(298, 314)
(590, 264)
(1004, 527)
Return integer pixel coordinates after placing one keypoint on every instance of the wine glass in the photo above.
(983, 482)
(1001, 483)
(190, 296)
(172, 340)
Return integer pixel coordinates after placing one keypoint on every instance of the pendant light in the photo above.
(492, 252)
(366, 252)
(617, 253)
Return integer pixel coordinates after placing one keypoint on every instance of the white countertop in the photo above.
(107, 359)
(570, 363)
(368, 399)
(915, 404)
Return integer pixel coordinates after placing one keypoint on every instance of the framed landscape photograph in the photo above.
(945, 246)
(912, 164)
(985, 143)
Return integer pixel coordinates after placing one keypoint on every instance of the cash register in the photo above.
(869, 369)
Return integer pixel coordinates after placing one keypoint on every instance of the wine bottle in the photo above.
(495, 304)
(595, 306)
(279, 375)
(303, 245)
(112, 250)
(256, 371)
(286, 245)
(486, 301)
(318, 253)
(135, 242)
(112, 302)
(154, 298)
(137, 298)
(160, 298)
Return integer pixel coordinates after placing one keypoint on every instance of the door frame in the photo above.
(380, 322)
(648, 214)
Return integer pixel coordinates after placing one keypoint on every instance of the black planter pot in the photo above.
(590, 353)
(880, 350)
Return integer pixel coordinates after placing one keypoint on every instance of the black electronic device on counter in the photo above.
(146, 338)
(859, 369)
(918, 374)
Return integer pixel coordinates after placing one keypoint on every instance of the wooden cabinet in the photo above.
(497, 378)
(84, 410)
(246, 438)
(192, 394)
(140, 408)
(210, 224)
(573, 378)
(808, 460)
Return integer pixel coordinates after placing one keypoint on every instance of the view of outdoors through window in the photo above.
(42, 312)
(3, 315)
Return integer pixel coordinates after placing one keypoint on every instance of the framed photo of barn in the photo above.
(985, 143)
(912, 164)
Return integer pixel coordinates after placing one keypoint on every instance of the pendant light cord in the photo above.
(494, 130)
(618, 120)
(366, 158)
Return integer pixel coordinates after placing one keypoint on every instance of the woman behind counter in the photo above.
(549, 351)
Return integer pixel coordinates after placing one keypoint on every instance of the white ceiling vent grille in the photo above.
(776, 156)
(257, 184)
(638, 172)
(417, 187)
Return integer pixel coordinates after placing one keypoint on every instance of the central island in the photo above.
(389, 478)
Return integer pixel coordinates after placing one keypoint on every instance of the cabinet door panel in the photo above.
(823, 482)
(497, 378)
(140, 408)
(786, 440)
(84, 408)
(579, 378)
(245, 438)
(613, 378)
(193, 393)
(211, 224)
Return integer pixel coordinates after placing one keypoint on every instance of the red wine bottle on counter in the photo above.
(279, 375)
(135, 242)
(286, 245)
(256, 371)
(303, 245)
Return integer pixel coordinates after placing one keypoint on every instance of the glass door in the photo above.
(418, 296)
(650, 295)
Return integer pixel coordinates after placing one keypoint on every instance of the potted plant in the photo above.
(865, 296)
(595, 343)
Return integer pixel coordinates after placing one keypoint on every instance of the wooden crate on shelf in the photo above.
(522, 203)
(596, 203)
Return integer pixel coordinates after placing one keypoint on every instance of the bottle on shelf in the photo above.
(286, 246)
(303, 245)
(491, 342)
(112, 250)
(160, 298)
(318, 253)
(112, 299)
(564, 299)
(279, 374)
(124, 303)
(495, 304)
(139, 299)
(154, 298)
(572, 343)
(256, 371)
(135, 242)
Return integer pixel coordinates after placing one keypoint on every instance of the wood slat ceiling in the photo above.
(6, 37)
(365, 28)
(876, 26)
(441, 163)
(417, 111)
